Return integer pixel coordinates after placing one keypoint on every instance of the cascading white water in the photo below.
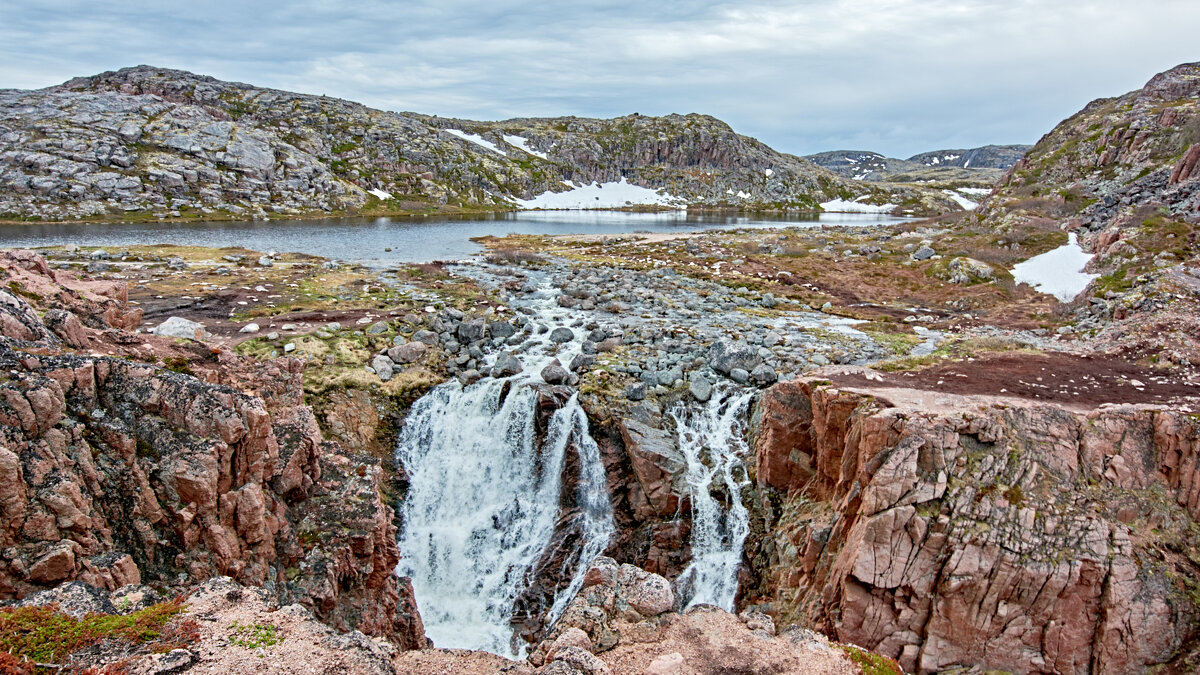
(713, 441)
(483, 501)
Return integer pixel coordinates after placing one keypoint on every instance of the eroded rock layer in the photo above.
(982, 532)
(115, 471)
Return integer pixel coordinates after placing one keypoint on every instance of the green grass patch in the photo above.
(870, 663)
(253, 636)
(46, 635)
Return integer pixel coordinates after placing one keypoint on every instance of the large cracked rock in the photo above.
(1017, 537)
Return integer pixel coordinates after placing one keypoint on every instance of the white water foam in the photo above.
(713, 440)
(483, 501)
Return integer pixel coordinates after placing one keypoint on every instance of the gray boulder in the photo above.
(562, 334)
(470, 331)
(700, 388)
(407, 352)
(764, 376)
(179, 327)
(725, 355)
(506, 365)
(383, 367)
(923, 253)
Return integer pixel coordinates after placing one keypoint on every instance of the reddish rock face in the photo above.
(114, 472)
(1022, 538)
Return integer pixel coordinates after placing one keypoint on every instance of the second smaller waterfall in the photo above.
(713, 441)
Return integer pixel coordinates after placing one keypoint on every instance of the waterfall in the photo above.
(484, 500)
(713, 441)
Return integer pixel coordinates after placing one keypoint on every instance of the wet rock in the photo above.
(501, 329)
(471, 331)
(179, 327)
(700, 388)
(507, 364)
(554, 373)
(636, 391)
(562, 334)
(739, 375)
(582, 362)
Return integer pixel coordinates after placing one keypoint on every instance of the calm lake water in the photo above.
(411, 240)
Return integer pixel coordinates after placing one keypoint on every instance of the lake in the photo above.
(411, 239)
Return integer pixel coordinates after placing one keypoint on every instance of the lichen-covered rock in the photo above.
(1006, 537)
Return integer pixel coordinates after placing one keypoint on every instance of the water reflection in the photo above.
(410, 239)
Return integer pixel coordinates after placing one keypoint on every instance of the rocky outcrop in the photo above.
(622, 621)
(1121, 174)
(983, 533)
(118, 472)
(173, 144)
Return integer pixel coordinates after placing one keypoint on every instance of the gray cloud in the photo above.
(897, 76)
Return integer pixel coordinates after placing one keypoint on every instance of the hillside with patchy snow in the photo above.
(148, 143)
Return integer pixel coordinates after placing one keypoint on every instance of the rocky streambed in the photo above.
(718, 417)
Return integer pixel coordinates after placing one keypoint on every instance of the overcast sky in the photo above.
(895, 76)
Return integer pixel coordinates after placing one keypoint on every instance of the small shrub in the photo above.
(870, 663)
(46, 635)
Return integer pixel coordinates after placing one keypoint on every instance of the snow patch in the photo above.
(843, 206)
(975, 191)
(523, 143)
(599, 196)
(477, 140)
(743, 195)
(1058, 272)
(769, 173)
(380, 193)
(962, 201)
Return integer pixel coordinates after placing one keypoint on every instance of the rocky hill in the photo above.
(1122, 173)
(981, 166)
(146, 143)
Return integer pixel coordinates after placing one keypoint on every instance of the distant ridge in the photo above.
(983, 165)
(153, 143)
